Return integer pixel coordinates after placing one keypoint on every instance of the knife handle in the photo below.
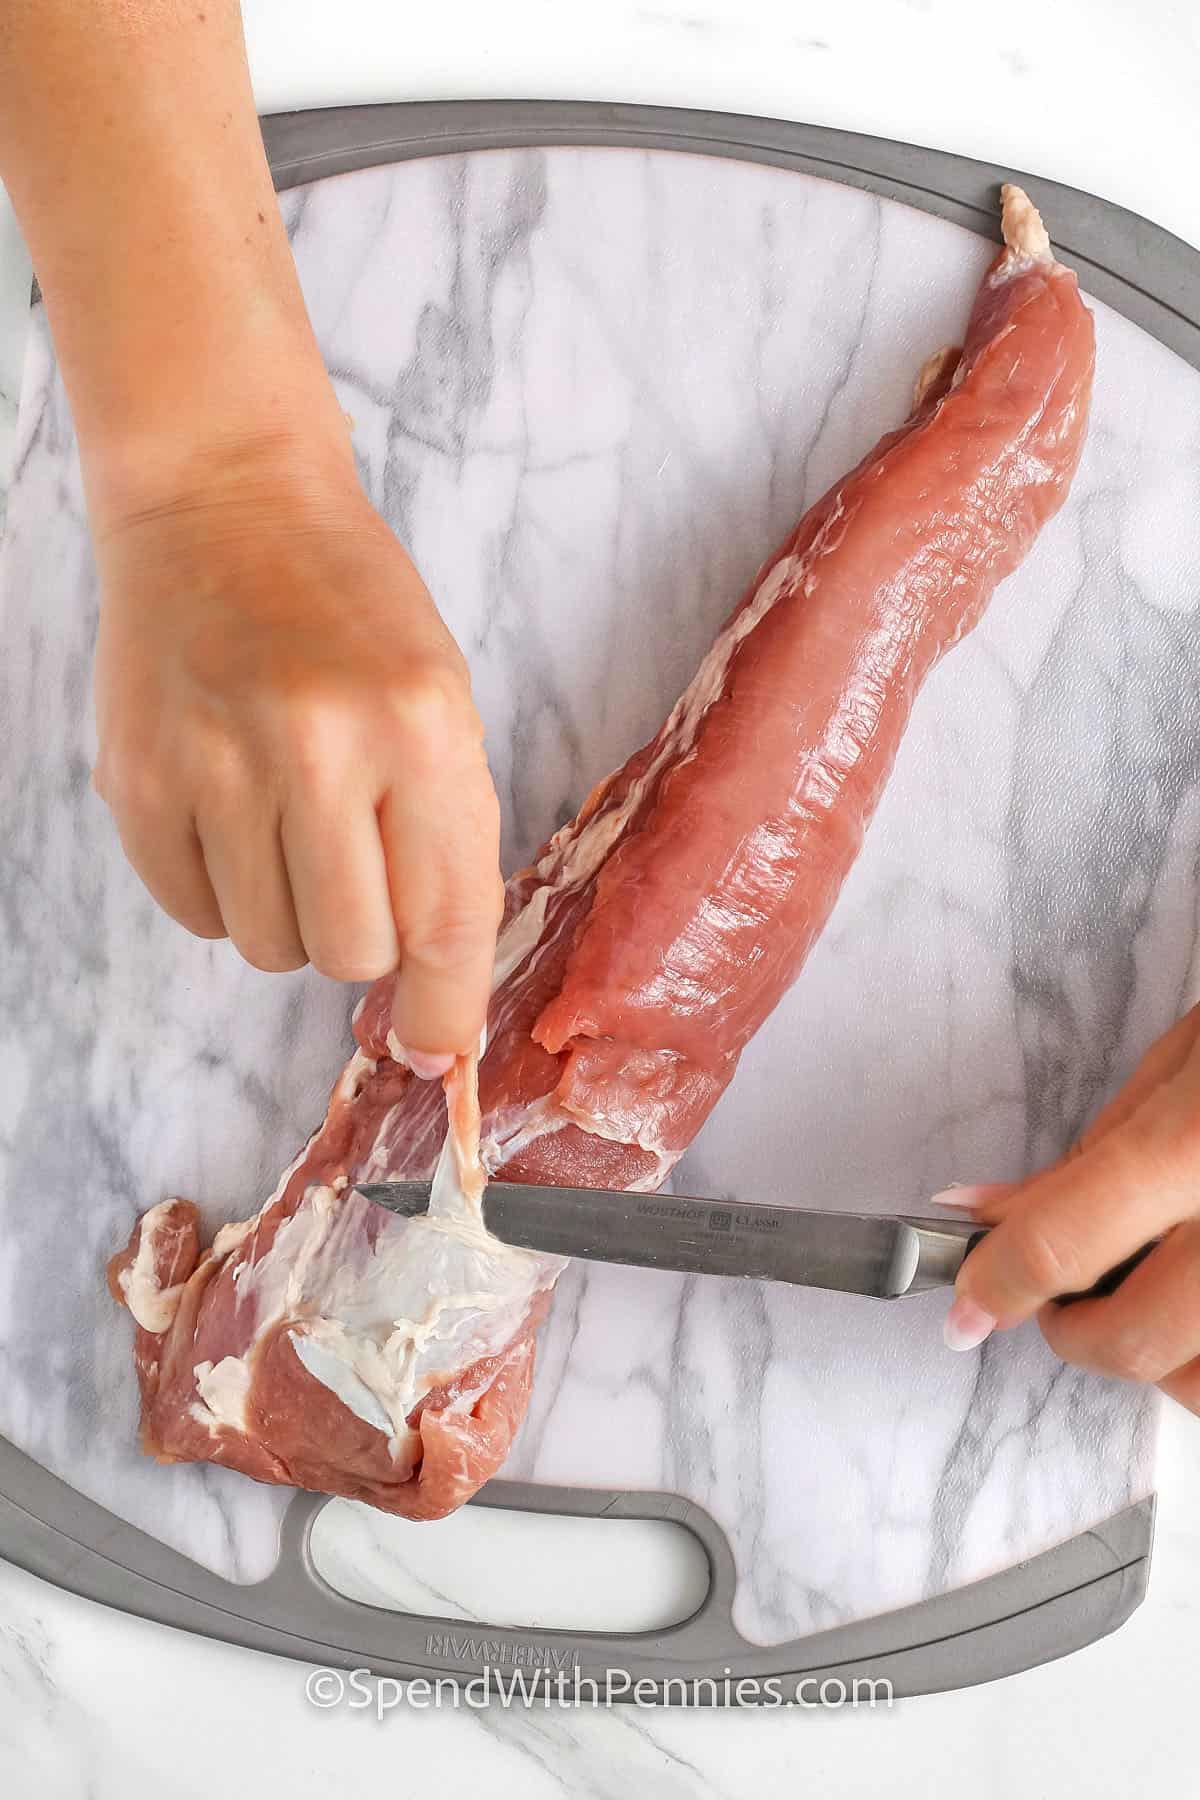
(1099, 1290)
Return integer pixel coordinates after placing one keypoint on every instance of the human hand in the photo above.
(1133, 1176)
(287, 740)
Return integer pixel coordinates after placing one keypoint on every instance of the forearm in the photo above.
(130, 146)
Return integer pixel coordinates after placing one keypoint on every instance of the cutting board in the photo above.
(590, 388)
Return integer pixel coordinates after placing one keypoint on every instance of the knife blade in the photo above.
(880, 1255)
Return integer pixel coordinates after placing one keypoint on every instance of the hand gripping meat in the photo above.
(324, 1342)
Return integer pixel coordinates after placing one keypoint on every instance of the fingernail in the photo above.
(967, 1325)
(966, 1196)
(428, 1065)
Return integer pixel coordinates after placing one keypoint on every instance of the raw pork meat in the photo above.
(324, 1342)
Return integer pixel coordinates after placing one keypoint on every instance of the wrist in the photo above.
(178, 353)
(231, 443)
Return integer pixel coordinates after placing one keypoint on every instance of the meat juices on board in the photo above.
(327, 1343)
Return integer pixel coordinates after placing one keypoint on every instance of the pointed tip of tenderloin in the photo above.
(1021, 224)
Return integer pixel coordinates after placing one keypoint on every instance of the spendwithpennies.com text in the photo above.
(357, 1690)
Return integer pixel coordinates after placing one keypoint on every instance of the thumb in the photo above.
(1063, 1230)
(1132, 1176)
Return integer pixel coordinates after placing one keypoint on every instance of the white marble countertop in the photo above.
(93, 1703)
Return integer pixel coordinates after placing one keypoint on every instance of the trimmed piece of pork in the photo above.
(325, 1342)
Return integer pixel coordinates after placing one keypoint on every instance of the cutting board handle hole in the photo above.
(496, 1566)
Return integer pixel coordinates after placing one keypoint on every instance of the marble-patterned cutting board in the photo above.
(590, 389)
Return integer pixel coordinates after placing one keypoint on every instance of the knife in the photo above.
(880, 1255)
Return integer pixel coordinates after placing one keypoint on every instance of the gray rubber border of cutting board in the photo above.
(1136, 267)
(1029, 1614)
